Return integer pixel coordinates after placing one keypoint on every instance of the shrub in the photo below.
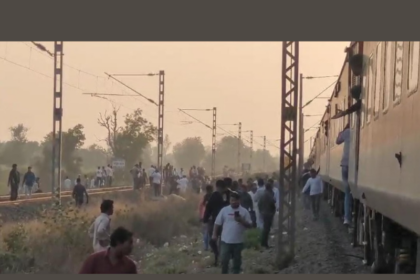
(57, 242)
(253, 239)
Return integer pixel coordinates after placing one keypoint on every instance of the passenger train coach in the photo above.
(384, 163)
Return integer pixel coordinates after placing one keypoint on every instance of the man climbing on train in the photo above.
(344, 137)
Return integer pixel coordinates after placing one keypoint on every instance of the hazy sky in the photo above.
(241, 79)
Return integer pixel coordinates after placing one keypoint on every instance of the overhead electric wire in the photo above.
(194, 118)
(44, 51)
(127, 86)
(316, 96)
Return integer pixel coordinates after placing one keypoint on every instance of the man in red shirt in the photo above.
(115, 259)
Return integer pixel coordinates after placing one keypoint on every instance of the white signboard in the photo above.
(118, 163)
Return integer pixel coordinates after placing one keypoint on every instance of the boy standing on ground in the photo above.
(28, 182)
(316, 187)
(157, 181)
(202, 208)
(234, 220)
(267, 209)
(101, 227)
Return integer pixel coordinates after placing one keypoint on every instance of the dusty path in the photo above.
(322, 247)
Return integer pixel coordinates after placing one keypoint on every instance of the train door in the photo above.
(354, 120)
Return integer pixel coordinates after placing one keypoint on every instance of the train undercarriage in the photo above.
(387, 247)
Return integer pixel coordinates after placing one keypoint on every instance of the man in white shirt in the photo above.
(100, 230)
(67, 183)
(182, 184)
(257, 196)
(104, 176)
(110, 173)
(253, 190)
(98, 177)
(344, 137)
(156, 182)
(150, 172)
(234, 220)
(316, 187)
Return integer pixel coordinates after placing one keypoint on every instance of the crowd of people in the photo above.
(232, 208)
(176, 181)
(227, 209)
(226, 212)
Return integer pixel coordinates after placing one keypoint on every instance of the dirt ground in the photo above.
(322, 247)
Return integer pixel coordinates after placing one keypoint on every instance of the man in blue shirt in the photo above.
(28, 182)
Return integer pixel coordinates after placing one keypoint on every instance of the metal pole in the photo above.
(239, 145)
(57, 122)
(252, 149)
(213, 144)
(264, 152)
(288, 153)
(160, 121)
(301, 130)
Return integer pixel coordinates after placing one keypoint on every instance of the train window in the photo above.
(388, 71)
(370, 84)
(413, 66)
(398, 68)
(377, 80)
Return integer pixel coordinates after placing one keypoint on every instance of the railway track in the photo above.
(5, 200)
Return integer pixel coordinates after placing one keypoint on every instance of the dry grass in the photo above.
(58, 242)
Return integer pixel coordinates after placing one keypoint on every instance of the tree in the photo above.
(72, 140)
(189, 152)
(227, 152)
(128, 141)
(18, 133)
(13, 151)
(92, 157)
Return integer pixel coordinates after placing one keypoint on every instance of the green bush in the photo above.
(253, 239)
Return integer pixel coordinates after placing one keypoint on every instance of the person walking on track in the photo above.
(28, 182)
(316, 187)
(13, 182)
(79, 193)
